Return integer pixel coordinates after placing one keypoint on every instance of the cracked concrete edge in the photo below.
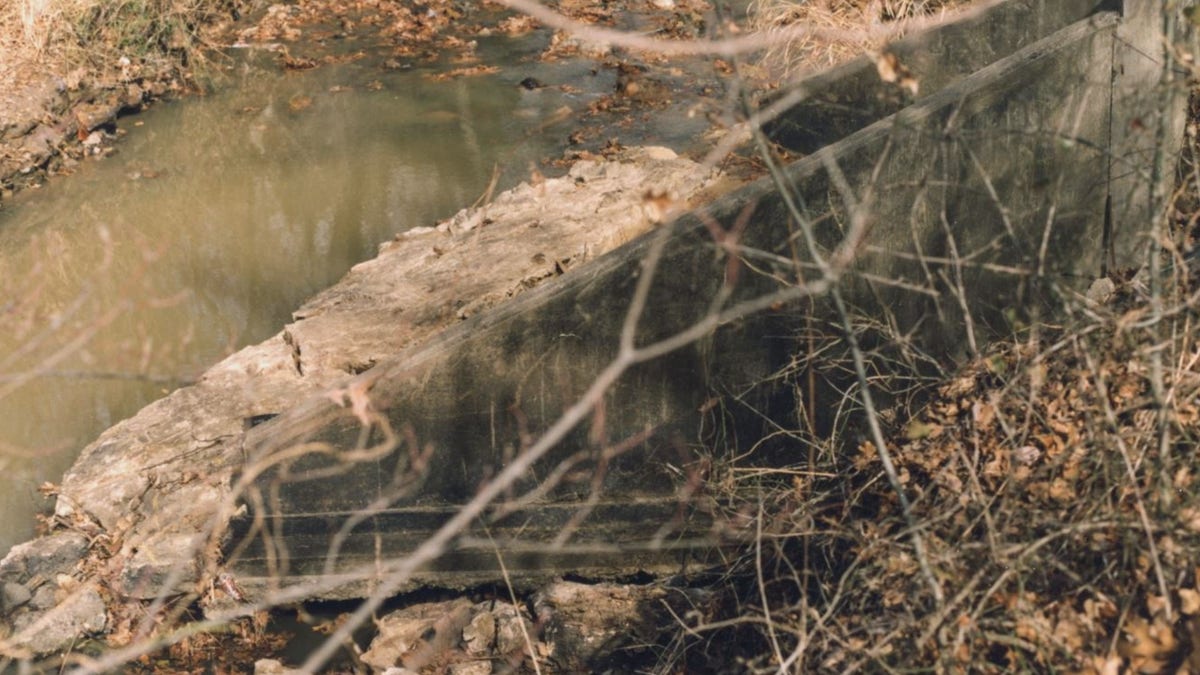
(145, 502)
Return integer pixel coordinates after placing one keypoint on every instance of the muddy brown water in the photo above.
(216, 217)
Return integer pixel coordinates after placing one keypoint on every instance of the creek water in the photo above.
(215, 218)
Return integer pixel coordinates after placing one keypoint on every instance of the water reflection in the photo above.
(214, 221)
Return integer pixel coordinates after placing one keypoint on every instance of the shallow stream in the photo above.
(215, 218)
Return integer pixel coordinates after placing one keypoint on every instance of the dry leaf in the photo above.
(1189, 517)
(983, 414)
(1026, 455)
(1148, 645)
(1189, 601)
(892, 70)
(917, 430)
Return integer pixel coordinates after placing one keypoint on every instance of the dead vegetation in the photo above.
(847, 17)
(1053, 480)
(95, 31)
(61, 35)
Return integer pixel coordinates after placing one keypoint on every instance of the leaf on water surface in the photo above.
(299, 102)
(470, 71)
(518, 25)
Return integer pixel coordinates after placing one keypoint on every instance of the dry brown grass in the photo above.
(57, 35)
(842, 15)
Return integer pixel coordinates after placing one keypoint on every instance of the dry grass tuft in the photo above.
(848, 16)
(99, 33)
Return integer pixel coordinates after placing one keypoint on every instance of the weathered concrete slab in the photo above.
(852, 96)
(153, 491)
(997, 181)
(1149, 110)
(1146, 97)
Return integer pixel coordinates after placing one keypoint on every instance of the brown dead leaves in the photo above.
(426, 31)
(456, 73)
(1012, 423)
(1015, 467)
(1151, 642)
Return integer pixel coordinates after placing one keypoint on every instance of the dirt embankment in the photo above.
(68, 69)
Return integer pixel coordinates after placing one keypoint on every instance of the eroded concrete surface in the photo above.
(140, 513)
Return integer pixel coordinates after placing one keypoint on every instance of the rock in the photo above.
(413, 636)
(147, 575)
(583, 628)
(41, 143)
(156, 88)
(133, 96)
(79, 614)
(465, 637)
(13, 595)
(594, 627)
(18, 129)
(46, 557)
(92, 115)
(44, 597)
(274, 667)
(471, 668)
(510, 637)
(480, 633)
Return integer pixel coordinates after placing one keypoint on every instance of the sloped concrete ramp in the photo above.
(987, 197)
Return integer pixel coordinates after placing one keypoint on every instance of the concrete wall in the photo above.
(850, 97)
(1002, 163)
(1149, 111)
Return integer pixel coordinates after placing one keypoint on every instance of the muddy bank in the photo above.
(68, 70)
(67, 118)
